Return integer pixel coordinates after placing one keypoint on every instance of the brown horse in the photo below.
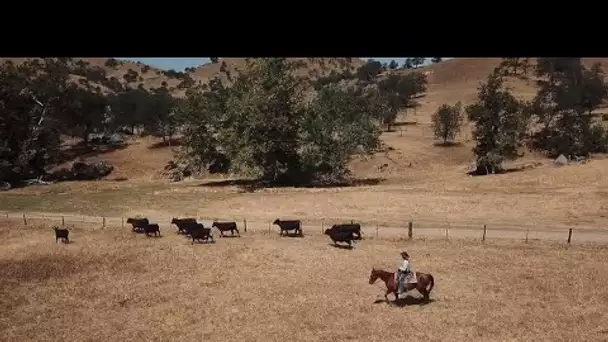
(424, 284)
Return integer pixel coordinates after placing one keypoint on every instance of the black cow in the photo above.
(61, 234)
(337, 236)
(183, 224)
(226, 226)
(354, 228)
(152, 228)
(287, 225)
(138, 224)
(200, 233)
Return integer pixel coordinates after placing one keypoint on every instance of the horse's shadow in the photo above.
(339, 246)
(407, 301)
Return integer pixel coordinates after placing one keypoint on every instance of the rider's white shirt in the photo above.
(405, 266)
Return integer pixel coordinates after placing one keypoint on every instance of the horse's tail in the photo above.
(431, 284)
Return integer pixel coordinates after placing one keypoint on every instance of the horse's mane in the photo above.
(379, 270)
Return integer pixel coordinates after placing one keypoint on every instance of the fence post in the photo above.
(569, 235)
(24, 220)
(410, 230)
(527, 232)
(63, 221)
(483, 238)
(269, 227)
(103, 223)
(377, 230)
(245, 225)
(122, 222)
(447, 232)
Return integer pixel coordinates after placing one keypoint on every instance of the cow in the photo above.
(287, 225)
(354, 228)
(200, 233)
(138, 224)
(61, 234)
(226, 226)
(183, 224)
(337, 236)
(152, 228)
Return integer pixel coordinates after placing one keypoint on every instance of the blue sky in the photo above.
(180, 64)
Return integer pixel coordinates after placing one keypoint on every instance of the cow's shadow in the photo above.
(292, 235)
(341, 246)
(228, 236)
(204, 242)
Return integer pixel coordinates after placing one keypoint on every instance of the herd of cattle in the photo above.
(198, 232)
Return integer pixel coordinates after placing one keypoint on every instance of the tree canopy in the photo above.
(270, 125)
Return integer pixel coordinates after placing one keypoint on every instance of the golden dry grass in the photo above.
(113, 285)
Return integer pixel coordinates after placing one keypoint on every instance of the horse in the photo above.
(424, 284)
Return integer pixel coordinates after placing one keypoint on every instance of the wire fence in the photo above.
(407, 230)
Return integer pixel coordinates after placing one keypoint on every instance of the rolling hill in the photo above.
(416, 176)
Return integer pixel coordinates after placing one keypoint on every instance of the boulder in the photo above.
(561, 160)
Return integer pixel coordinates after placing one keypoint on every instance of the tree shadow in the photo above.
(249, 185)
(173, 142)
(477, 172)
(81, 150)
(340, 246)
(448, 144)
(117, 179)
(405, 123)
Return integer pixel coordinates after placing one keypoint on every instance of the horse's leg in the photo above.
(421, 287)
(386, 296)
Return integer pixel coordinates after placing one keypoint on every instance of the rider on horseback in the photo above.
(404, 271)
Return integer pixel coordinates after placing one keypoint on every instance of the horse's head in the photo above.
(373, 276)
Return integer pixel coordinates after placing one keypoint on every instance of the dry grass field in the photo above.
(114, 285)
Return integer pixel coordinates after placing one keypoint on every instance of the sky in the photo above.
(179, 64)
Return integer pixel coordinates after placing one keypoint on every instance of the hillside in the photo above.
(448, 82)
(151, 77)
(458, 79)
(415, 178)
